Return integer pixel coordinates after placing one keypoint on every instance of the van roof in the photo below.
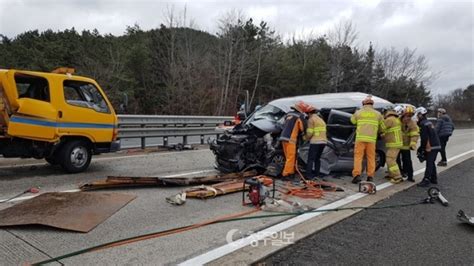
(330, 100)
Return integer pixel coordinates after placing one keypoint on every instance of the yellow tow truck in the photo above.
(56, 116)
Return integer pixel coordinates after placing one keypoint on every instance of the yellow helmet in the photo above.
(409, 110)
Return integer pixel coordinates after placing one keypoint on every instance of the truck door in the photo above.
(84, 111)
(36, 114)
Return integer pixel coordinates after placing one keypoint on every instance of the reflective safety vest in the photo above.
(316, 131)
(368, 123)
(410, 134)
(393, 132)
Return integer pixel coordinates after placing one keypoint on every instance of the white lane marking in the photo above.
(190, 173)
(463, 134)
(32, 196)
(105, 158)
(77, 190)
(144, 155)
(243, 242)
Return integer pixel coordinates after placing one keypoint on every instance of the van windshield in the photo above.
(268, 112)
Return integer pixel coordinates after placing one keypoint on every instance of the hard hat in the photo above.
(421, 110)
(368, 100)
(300, 106)
(409, 110)
(442, 110)
(399, 110)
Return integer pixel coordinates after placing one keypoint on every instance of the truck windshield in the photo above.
(84, 94)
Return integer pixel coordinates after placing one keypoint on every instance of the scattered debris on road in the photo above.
(179, 147)
(124, 181)
(285, 206)
(464, 218)
(222, 188)
(75, 211)
(178, 199)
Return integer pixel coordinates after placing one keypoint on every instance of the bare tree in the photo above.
(407, 64)
(344, 33)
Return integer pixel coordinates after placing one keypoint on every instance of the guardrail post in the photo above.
(202, 139)
(165, 141)
(143, 139)
(185, 140)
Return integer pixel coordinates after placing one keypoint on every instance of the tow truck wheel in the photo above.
(75, 156)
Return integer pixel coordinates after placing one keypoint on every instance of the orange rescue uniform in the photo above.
(292, 129)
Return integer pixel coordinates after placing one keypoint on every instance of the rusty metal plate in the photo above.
(75, 211)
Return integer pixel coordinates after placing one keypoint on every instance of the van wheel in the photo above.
(379, 159)
(75, 156)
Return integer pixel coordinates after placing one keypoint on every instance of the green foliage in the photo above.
(186, 71)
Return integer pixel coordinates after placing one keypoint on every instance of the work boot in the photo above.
(396, 180)
(442, 163)
(434, 181)
(424, 183)
(356, 179)
(411, 179)
(370, 179)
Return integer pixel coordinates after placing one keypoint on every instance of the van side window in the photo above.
(32, 87)
(84, 94)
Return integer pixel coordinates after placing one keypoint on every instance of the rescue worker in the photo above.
(410, 135)
(444, 128)
(293, 128)
(429, 147)
(369, 123)
(316, 134)
(393, 143)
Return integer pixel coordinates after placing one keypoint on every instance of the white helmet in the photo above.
(399, 110)
(421, 110)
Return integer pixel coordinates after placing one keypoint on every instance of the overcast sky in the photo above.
(441, 30)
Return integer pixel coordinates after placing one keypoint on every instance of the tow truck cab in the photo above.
(57, 116)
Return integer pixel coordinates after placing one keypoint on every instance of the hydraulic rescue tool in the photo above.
(436, 194)
(367, 187)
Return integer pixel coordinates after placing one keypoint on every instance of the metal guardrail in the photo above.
(165, 126)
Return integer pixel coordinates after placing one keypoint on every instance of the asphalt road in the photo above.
(426, 234)
(149, 212)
